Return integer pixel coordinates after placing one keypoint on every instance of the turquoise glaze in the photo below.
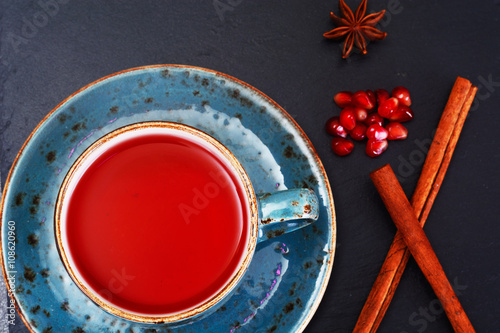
(288, 274)
(285, 211)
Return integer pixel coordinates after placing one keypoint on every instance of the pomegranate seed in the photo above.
(341, 146)
(334, 127)
(374, 148)
(382, 95)
(348, 118)
(374, 118)
(361, 99)
(376, 132)
(403, 95)
(396, 131)
(402, 114)
(360, 114)
(371, 96)
(388, 107)
(358, 133)
(343, 99)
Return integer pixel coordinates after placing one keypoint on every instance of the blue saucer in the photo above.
(288, 275)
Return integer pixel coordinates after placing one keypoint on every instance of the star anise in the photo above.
(356, 27)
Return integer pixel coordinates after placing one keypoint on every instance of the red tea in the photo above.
(157, 224)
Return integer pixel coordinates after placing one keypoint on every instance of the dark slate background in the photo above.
(277, 46)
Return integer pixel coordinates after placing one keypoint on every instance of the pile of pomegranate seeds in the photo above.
(363, 116)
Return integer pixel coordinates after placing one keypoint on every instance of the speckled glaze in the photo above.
(298, 207)
(287, 276)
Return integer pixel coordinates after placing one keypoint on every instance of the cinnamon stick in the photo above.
(433, 172)
(439, 144)
(448, 154)
(404, 217)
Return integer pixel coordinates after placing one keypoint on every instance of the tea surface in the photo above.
(157, 224)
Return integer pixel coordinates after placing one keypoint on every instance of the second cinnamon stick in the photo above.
(404, 217)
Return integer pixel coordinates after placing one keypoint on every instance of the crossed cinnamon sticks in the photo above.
(433, 172)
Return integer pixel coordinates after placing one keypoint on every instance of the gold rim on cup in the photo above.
(228, 287)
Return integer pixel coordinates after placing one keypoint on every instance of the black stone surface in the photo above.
(277, 46)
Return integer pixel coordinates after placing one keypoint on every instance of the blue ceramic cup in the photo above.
(269, 215)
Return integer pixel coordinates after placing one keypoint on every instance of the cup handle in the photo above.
(285, 211)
